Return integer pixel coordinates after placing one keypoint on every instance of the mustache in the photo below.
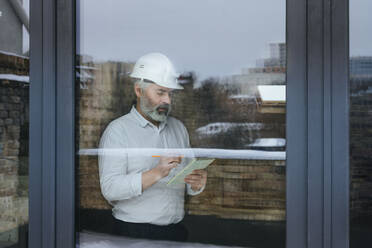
(163, 106)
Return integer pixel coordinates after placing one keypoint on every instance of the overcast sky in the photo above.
(360, 27)
(211, 37)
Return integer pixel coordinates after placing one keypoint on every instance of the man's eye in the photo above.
(163, 93)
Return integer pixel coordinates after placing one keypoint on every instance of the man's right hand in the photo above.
(162, 169)
(165, 165)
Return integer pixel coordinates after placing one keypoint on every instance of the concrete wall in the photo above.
(11, 29)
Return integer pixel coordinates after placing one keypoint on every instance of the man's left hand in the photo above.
(197, 179)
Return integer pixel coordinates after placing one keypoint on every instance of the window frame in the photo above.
(317, 172)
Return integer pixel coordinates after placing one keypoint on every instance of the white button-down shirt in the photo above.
(121, 176)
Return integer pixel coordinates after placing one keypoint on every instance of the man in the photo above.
(143, 205)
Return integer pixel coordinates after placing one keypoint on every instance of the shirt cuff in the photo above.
(190, 191)
(136, 184)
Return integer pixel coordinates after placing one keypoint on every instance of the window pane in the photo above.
(230, 59)
(360, 123)
(14, 122)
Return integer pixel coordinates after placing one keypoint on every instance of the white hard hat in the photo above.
(157, 68)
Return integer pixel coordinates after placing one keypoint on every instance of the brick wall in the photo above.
(242, 189)
(361, 147)
(14, 120)
(103, 98)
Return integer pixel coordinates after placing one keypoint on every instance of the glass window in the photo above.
(14, 122)
(163, 86)
(360, 123)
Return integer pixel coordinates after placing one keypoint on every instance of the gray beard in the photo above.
(151, 112)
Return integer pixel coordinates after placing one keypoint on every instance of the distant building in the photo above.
(272, 99)
(268, 71)
(276, 63)
(278, 51)
(277, 57)
(360, 75)
(361, 66)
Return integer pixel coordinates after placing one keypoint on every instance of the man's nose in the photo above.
(166, 98)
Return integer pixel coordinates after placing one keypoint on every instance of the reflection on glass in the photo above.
(14, 119)
(231, 109)
(360, 70)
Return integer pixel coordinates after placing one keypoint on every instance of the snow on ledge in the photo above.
(13, 54)
(268, 142)
(13, 77)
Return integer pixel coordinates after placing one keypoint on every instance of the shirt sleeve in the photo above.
(189, 190)
(115, 183)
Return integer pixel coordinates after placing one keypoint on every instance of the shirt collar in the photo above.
(142, 121)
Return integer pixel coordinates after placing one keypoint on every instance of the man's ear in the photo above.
(137, 90)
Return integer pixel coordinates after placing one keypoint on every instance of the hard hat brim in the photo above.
(176, 87)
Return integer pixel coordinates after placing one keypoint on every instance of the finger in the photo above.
(174, 160)
(179, 159)
(195, 187)
(172, 165)
(194, 174)
(195, 177)
(192, 181)
(199, 172)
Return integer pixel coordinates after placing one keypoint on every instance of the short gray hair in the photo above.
(142, 84)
